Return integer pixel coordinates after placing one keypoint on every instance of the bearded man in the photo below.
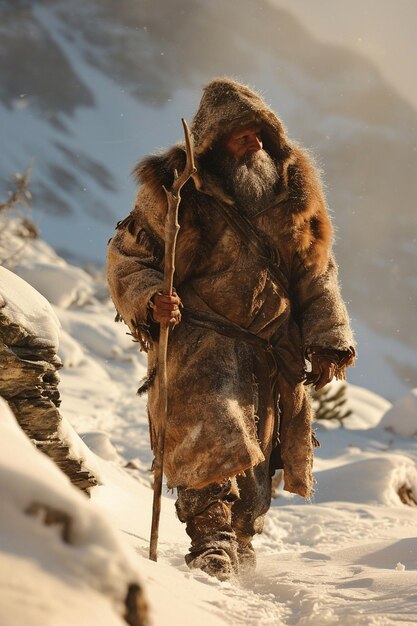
(256, 295)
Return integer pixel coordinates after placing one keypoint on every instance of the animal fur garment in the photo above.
(225, 412)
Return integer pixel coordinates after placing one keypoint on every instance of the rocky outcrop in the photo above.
(29, 382)
(32, 486)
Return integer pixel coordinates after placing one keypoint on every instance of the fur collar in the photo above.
(303, 214)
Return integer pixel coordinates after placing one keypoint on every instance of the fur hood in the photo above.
(226, 105)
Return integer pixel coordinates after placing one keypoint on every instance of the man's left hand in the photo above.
(322, 372)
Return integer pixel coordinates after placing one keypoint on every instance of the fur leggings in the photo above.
(248, 495)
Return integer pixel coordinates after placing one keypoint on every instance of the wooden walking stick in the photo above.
(171, 231)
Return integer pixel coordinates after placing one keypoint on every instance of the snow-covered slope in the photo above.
(61, 561)
(105, 84)
(347, 557)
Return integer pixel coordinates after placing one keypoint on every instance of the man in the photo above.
(256, 295)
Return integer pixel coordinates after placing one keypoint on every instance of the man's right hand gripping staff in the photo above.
(165, 309)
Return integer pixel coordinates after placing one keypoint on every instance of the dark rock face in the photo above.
(29, 382)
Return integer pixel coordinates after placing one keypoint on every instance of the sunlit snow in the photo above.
(349, 556)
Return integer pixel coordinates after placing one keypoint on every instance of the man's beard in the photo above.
(250, 180)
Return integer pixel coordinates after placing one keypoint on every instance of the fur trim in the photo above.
(147, 382)
(157, 170)
(304, 215)
(348, 361)
(307, 218)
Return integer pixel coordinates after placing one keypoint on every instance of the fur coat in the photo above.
(225, 414)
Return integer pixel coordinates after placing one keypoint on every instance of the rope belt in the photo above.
(234, 331)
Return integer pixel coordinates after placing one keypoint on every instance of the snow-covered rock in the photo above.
(99, 443)
(367, 407)
(29, 379)
(401, 418)
(372, 480)
(61, 561)
(26, 307)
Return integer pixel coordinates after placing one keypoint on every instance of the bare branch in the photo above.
(21, 194)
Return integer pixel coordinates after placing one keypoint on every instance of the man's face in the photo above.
(247, 171)
(242, 142)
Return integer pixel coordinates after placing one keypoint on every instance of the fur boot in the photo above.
(213, 542)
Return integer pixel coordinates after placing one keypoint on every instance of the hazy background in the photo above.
(89, 86)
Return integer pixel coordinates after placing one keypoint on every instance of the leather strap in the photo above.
(256, 241)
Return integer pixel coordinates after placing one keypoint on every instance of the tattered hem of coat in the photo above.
(174, 479)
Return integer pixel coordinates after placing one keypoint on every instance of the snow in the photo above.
(24, 306)
(45, 579)
(402, 416)
(61, 284)
(384, 476)
(367, 407)
(347, 557)
(70, 351)
(373, 370)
